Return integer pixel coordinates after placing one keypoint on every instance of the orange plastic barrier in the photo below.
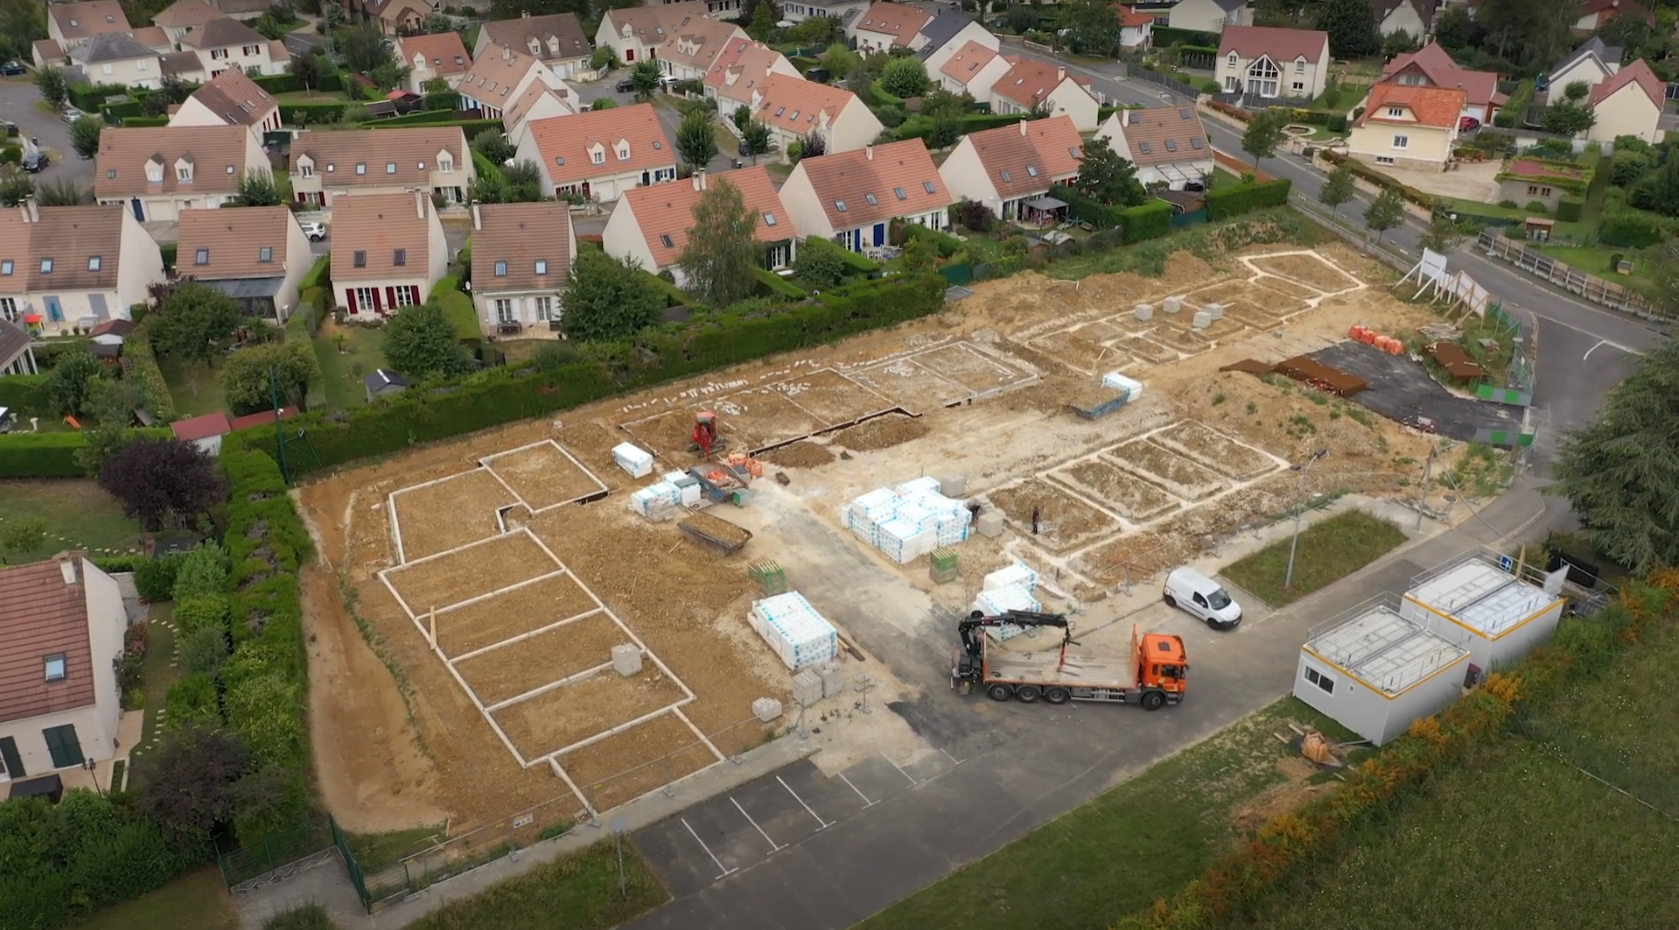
(1357, 332)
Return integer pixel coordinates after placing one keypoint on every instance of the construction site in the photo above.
(562, 627)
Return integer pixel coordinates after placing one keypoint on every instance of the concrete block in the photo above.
(833, 678)
(626, 660)
(989, 524)
(1214, 311)
(807, 688)
(1144, 312)
(1172, 304)
(953, 485)
(1202, 320)
(766, 709)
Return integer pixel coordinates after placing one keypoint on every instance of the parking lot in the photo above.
(18, 97)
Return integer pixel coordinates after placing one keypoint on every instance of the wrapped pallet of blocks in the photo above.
(941, 565)
(1002, 600)
(658, 501)
(632, 459)
(1017, 574)
(909, 521)
(1130, 387)
(794, 630)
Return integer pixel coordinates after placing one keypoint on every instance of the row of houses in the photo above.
(190, 39)
(1413, 17)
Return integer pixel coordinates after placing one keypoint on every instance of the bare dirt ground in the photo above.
(451, 513)
(464, 574)
(1214, 450)
(688, 605)
(509, 613)
(543, 476)
(562, 652)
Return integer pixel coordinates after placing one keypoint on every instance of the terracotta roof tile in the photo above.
(796, 105)
(233, 241)
(90, 18)
(217, 155)
(521, 234)
(41, 616)
(13, 341)
(698, 43)
(495, 74)
(1163, 135)
(967, 62)
(1029, 156)
(222, 33)
(413, 150)
(187, 13)
(896, 176)
(1030, 80)
(1280, 44)
(443, 52)
(71, 238)
(1636, 73)
(377, 226)
(1132, 18)
(258, 419)
(899, 20)
(193, 429)
(741, 66)
(559, 36)
(519, 110)
(1607, 10)
(154, 37)
(235, 98)
(653, 24)
(49, 50)
(665, 212)
(1440, 70)
(1439, 107)
(566, 142)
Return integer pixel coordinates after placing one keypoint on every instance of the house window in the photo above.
(1384, 159)
(1534, 190)
(666, 241)
(1004, 174)
(307, 171)
(501, 269)
(769, 219)
(870, 198)
(390, 167)
(403, 296)
(8, 308)
(898, 192)
(504, 311)
(1233, 59)
(6, 267)
(65, 748)
(93, 262)
(446, 165)
(1396, 112)
(1032, 170)
(359, 259)
(46, 266)
(928, 187)
(202, 257)
(1321, 680)
(1263, 78)
(217, 54)
(250, 49)
(364, 299)
(1299, 66)
(598, 156)
(361, 167)
(183, 173)
(839, 206)
(1299, 86)
(1400, 142)
(542, 266)
(544, 308)
(56, 667)
(265, 254)
(400, 257)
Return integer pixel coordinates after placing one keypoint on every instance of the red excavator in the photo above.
(706, 439)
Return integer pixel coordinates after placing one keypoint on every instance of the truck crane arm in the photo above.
(968, 629)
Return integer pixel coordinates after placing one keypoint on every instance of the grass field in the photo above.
(1594, 260)
(576, 892)
(1329, 550)
(375, 851)
(1523, 836)
(1128, 847)
(303, 917)
(195, 387)
(342, 371)
(197, 899)
(156, 676)
(77, 513)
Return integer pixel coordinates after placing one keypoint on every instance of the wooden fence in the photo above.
(1591, 287)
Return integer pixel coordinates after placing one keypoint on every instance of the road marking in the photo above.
(907, 775)
(866, 802)
(774, 846)
(696, 836)
(1589, 351)
(802, 804)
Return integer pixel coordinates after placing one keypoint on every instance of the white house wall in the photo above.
(1404, 18)
(799, 197)
(972, 32)
(1352, 705)
(965, 176)
(133, 72)
(98, 741)
(141, 266)
(1627, 112)
(622, 238)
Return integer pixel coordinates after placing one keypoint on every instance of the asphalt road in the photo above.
(18, 97)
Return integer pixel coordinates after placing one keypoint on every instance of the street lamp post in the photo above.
(1305, 469)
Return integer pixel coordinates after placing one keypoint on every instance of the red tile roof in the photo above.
(1030, 80)
(41, 616)
(895, 175)
(1607, 10)
(1636, 73)
(1433, 63)
(1032, 153)
(1131, 18)
(741, 66)
(265, 418)
(899, 20)
(193, 429)
(1438, 107)
(444, 52)
(967, 61)
(565, 142)
(697, 44)
(665, 212)
(793, 104)
(1276, 42)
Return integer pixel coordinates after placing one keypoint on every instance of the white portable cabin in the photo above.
(1506, 615)
(1375, 672)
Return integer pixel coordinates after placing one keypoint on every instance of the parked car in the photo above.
(315, 231)
(12, 69)
(35, 161)
(626, 86)
(70, 114)
(1189, 590)
(1468, 124)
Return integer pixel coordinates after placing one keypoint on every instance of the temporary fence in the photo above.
(1591, 287)
(255, 864)
(1165, 82)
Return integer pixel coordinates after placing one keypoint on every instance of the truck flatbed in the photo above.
(1047, 668)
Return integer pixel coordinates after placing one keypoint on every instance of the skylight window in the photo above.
(1144, 147)
(46, 266)
(360, 260)
(872, 201)
(1004, 174)
(839, 206)
(265, 254)
(780, 110)
(795, 115)
(202, 258)
(665, 240)
(1073, 150)
(400, 257)
(6, 267)
(501, 269)
(93, 262)
(1171, 145)
(899, 193)
(542, 266)
(769, 219)
(1032, 170)
(1195, 144)
(928, 187)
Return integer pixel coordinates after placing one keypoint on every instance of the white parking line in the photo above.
(774, 846)
(696, 836)
(802, 804)
(900, 771)
(866, 802)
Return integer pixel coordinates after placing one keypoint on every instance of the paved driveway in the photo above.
(18, 97)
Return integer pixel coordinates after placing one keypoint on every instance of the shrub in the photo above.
(1226, 202)
(192, 700)
(137, 348)
(1570, 208)
(203, 571)
(1148, 221)
(1088, 209)
(1538, 207)
(155, 578)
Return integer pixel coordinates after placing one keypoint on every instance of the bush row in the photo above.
(1151, 220)
(290, 83)
(137, 348)
(1088, 209)
(25, 394)
(922, 128)
(52, 455)
(1361, 170)
(1634, 229)
(1569, 209)
(1226, 202)
(1165, 36)
(471, 127)
(1295, 841)
(1514, 111)
(773, 285)
(458, 309)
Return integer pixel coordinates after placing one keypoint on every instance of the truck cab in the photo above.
(1162, 663)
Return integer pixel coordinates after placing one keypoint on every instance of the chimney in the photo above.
(477, 218)
(1060, 75)
(507, 52)
(868, 152)
(1023, 126)
(699, 180)
(69, 568)
(30, 210)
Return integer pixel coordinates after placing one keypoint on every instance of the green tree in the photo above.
(1351, 27)
(256, 189)
(1566, 118)
(244, 377)
(762, 22)
(904, 76)
(1443, 234)
(1092, 26)
(741, 117)
(756, 140)
(1398, 42)
(721, 257)
(1264, 134)
(920, 256)
(63, 193)
(55, 90)
(696, 140)
(308, 70)
(21, 538)
(493, 145)
(607, 299)
(1621, 472)
(1533, 33)
(644, 79)
(362, 48)
(439, 95)
(197, 323)
(1107, 177)
(522, 182)
(1338, 189)
(840, 60)
(818, 30)
(604, 59)
(1658, 191)
(16, 187)
(111, 405)
(1576, 91)
(420, 343)
(604, 103)
(1454, 28)
(1385, 213)
(70, 385)
(821, 264)
(84, 136)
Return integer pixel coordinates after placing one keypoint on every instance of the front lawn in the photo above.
(195, 387)
(578, 891)
(197, 899)
(158, 672)
(1594, 260)
(78, 515)
(1329, 550)
(343, 367)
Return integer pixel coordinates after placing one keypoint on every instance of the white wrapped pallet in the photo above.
(1130, 387)
(1017, 574)
(632, 459)
(919, 486)
(1001, 600)
(643, 501)
(794, 630)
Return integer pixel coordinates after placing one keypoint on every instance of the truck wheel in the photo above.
(1153, 700)
(1057, 695)
(1027, 694)
(1000, 692)
(1171, 601)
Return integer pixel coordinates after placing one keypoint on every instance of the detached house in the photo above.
(651, 224)
(885, 26)
(118, 58)
(1136, 28)
(522, 255)
(797, 11)
(63, 623)
(1628, 104)
(439, 55)
(1415, 18)
(392, 17)
(327, 165)
(1593, 62)
(1433, 67)
(691, 51)
(1167, 144)
(1009, 167)
(600, 154)
(1030, 84)
(1407, 126)
(230, 99)
(1272, 63)
(160, 172)
(1210, 15)
(635, 33)
(500, 77)
(974, 70)
(794, 108)
(947, 33)
(228, 43)
(71, 267)
(183, 16)
(1595, 14)
(853, 197)
(71, 24)
(557, 40)
(256, 255)
(741, 66)
(539, 101)
(390, 252)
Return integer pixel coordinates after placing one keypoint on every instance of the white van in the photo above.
(1202, 597)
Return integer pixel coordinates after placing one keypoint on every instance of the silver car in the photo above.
(315, 231)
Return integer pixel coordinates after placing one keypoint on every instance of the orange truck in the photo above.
(1153, 674)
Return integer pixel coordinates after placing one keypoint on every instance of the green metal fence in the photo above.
(350, 864)
(273, 852)
(1189, 218)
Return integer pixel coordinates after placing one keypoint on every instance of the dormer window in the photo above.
(306, 170)
(598, 156)
(183, 172)
(1233, 59)
(1299, 66)
(202, 257)
(1396, 112)
(624, 151)
(542, 266)
(501, 269)
(446, 165)
(265, 255)
(94, 262)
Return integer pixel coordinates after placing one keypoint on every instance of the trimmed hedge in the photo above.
(921, 127)
(25, 394)
(947, 244)
(471, 126)
(1570, 208)
(318, 275)
(1089, 209)
(1166, 36)
(52, 455)
(1226, 202)
(483, 166)
(1514, 112)
(171, 252)
(133, 122)
(137, 348)
(291, 83)
(1634, 229)
(316, 112)
(1149, 221)
(423, 117)
(657, 355)
(1361, 170)
(771, 284)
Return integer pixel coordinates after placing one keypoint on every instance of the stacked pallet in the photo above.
(909, 521)
(794, 630)
(1006, 589)
(632, 459)
(942, 565)
(770, 576)
(675, 489)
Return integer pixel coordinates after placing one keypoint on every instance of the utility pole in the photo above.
(1305, 470)
(1422, 499)
(279, 431)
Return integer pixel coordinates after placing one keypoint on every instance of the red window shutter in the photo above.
(414, 294)
(376, 307)
(350, 298)
(390, 297)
